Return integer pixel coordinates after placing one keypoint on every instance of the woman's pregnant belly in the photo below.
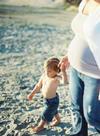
(79, 52)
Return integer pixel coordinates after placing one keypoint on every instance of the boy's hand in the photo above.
(29, 97)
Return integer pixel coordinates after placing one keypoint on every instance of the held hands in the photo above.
(64, 64)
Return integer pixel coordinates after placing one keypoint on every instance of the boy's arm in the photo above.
(64, 74)
(64, 77)
(36, 89)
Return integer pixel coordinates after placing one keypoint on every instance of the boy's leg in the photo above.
(40, 126)
(56, 120)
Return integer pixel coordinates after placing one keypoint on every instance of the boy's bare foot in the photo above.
(55, 122)
(40, 126)
(37, 129)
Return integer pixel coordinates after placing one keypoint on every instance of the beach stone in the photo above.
(3, 131)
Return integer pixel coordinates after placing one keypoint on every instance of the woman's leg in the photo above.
(91, 101)
(76, 87)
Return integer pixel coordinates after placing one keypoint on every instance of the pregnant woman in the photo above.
(84, 59)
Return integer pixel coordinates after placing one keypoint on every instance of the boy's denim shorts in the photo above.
(51, 108)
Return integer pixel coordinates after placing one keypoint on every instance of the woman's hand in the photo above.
(64, 63)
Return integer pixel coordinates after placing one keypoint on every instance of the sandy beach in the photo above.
(26, 41)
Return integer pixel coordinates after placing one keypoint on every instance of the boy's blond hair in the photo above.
(53, 64)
